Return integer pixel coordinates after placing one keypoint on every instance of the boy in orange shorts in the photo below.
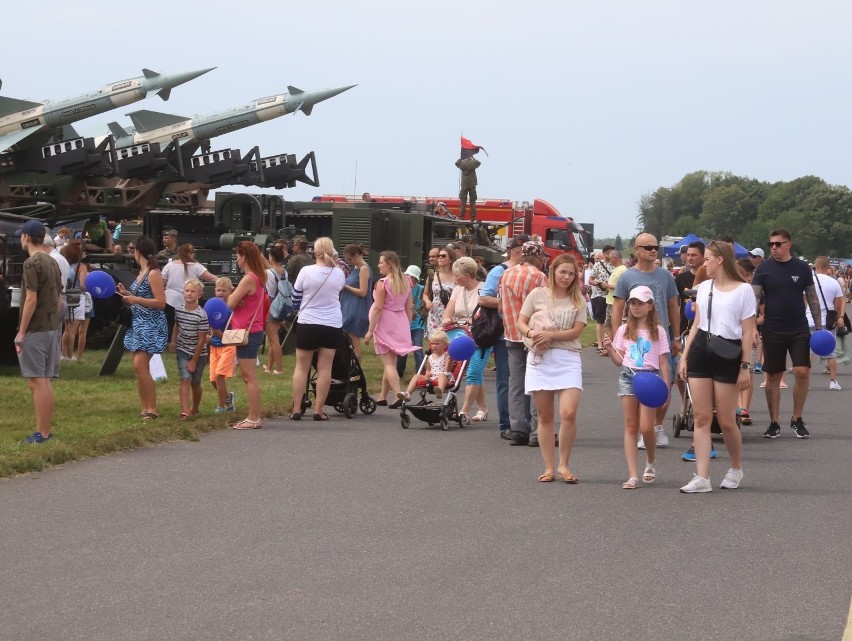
(222, 356)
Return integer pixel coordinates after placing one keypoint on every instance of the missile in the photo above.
(155, 127)
(26, 124)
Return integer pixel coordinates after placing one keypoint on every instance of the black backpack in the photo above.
(487, 326)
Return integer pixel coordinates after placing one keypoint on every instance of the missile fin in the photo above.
(146, 120)
(307, 109)
(117, 130)
(11, 139)
(13, 105)
(149, 74)
(165, 93)
(294, 91)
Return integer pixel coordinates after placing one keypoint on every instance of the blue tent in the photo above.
(673, 251)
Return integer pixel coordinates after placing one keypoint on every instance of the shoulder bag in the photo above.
(239, 337)
(723, 348)
(73, 291)
(444, 295)
(830, 314)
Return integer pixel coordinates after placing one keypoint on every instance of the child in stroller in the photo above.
(438, 372)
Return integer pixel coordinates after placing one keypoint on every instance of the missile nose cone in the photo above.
(171, 80)
(305, 100)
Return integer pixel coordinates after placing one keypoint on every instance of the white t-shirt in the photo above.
(64, 267)
(320, 295)
(174, 279)
(272, 279)
(730, 309)
(831, 290)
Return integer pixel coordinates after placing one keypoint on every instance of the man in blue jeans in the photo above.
(488, 298)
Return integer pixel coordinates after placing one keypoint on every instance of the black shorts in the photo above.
(599, 309)
(313, 337)
(701, 364)
(776, 346)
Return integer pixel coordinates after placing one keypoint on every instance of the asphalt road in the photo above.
(357, 529)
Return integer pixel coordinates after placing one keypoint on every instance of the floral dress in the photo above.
(149, 331)
(433, 322)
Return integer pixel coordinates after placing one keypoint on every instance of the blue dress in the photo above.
(149, 332)
(356, 310)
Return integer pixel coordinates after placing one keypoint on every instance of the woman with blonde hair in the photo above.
(390, 319)
(316, 294)
(551, 320)
(250, 305)
(180, 269)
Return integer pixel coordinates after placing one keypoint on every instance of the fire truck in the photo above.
(560, 234)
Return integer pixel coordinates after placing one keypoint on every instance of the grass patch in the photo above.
(98, 415)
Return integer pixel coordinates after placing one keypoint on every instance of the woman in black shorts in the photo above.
(725, 313)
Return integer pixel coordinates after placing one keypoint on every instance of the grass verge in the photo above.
(97, 415)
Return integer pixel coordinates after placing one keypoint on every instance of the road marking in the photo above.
(847, 636)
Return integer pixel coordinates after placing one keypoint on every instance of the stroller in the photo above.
(437, 412)
(347, 379)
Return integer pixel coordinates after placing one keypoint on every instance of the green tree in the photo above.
(619, 243)
(723, 211)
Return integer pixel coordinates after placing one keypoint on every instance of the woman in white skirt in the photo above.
(551, 321)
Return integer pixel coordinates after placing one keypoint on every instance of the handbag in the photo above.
(487, 326)
(724, 348)
(443, 295)
(239, 337)
(830, 314)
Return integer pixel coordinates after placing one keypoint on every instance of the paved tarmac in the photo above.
(358, 529)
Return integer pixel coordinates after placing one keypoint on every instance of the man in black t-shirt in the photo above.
(693, 259)
(782, 281)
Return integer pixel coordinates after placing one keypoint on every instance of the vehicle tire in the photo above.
(350, 405)
(405, 421)
(367, 405)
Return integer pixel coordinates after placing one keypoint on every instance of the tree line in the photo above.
(711, 204)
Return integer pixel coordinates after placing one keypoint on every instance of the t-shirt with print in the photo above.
(661, 283)
(190, 323)
(564, 314)
(643, 353)
(784, 284)
(42, 279)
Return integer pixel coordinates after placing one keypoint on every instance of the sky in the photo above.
(588, 105)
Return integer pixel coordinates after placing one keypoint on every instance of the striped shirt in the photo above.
(515, 285)
(190, 324)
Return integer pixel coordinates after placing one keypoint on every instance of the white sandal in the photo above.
(650, 474)
(630, 484)
(480, 417)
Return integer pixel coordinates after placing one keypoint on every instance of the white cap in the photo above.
(413, 270)
(757, 251)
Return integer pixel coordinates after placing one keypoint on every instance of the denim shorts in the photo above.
(624, 387)
(254, 343)
(195, 377)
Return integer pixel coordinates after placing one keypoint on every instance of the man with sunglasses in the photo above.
(666, 303)
(782, 281)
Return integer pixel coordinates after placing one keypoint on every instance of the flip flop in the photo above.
(320, 416)
(568, 477)
(547, 477)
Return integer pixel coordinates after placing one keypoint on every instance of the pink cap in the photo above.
(642, 293)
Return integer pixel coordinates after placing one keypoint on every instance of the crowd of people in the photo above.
(642, 315)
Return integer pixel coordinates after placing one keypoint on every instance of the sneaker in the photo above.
(689, 455)
(773, 431)
(697, 485)
(834, 385)
(732, 479)
(229, 406)
(662, 439)
(403, 396)
(798, 426)
(219, 410)
(641, 442)
(38, 439)
(758, 368)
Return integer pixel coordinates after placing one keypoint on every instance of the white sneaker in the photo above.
(696, 485)
(403, 396)
(732, 479)
(662, 439)
(641, 442)
(834, 385)
(439, 393)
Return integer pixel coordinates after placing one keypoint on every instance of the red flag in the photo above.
(467, 144)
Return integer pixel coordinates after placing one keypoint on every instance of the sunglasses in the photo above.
(443, 255)
(650, 248)
(778, 243)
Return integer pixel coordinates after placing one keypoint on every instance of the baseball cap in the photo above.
(757, 251)
(30, 228)
(414, 271)
(642, 293)
(519, 240)
(532, 248)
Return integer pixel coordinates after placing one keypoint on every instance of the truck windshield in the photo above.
(579, 242)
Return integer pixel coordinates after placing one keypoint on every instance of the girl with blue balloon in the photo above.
(641, 349)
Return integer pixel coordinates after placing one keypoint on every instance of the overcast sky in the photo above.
(588, 105)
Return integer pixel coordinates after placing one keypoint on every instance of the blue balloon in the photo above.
(822, 342)
(689, 310)
(100, 285)
(217, 312)
(461, 348)
(650, 389)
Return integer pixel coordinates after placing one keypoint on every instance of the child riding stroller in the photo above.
(347, 379)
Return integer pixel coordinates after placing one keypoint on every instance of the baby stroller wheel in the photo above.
(339, 408)
(350, 405)
(445, 424)
(405, 421)
(464, 420)
(676, 425)
(367, 404)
